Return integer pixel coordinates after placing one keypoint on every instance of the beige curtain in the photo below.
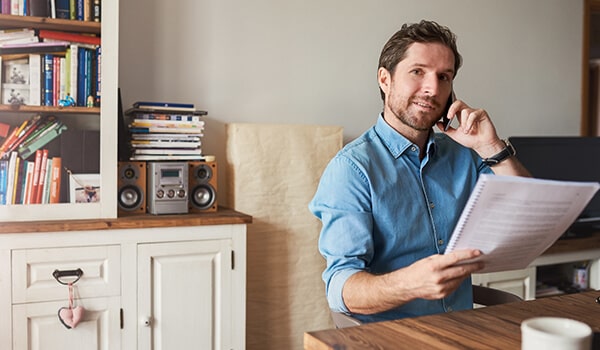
(273, 172)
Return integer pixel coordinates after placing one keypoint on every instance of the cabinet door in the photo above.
(184, 295)
(36, 326)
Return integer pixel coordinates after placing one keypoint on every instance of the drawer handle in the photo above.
(58, 274)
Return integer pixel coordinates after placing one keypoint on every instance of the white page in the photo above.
(513, 220)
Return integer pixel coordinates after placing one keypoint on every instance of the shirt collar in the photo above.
(395, 142)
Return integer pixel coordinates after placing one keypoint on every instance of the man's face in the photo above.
(418, 90)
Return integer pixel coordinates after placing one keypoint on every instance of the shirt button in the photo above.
(431, 205)
(441, 241)
(450, 309)
(413, 148)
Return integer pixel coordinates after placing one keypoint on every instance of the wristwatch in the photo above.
(506, 153)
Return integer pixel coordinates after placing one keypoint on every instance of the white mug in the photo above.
(555, 333)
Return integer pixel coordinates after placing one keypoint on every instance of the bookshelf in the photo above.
(98, 121)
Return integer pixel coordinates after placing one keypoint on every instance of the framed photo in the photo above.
(84, 188)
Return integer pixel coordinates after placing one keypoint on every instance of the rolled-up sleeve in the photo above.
(343, 204)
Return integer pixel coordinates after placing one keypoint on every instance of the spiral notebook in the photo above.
(513, 220)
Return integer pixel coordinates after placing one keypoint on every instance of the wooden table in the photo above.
(492, 327)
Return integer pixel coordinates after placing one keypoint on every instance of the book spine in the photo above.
(6, 7)
(48, 76)
(35, 78)
(71, 37)
(55, 180)
(63, 9)
(97, 11)
(42, 177)
(74, 70)
(46, 194)
(55, 79)
(98, 75)
(28, 182)
(62, 78)
(79, 10)
(81, 99)
(35, 178)
(72, 10)
(3, 180)
(17, 190)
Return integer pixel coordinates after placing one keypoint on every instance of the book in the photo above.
(35, 79)
(177, 130)
(11, 176)
(55, 180)
(73, 71)
(148, 157)
(28, 181)
(47, 80)
(42, 177)
(46, 189)
(165, 144)
(97, 13)
(157, 116)
(512, 220)
(35, 178)
(167, 105)
(62, 9)
(3, 180)
(17, 194)
(168, 151)
(70, 37)
(4, 129)
(36, 47)
(39, 8)
(162, 110)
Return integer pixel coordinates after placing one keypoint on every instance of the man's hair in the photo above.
(395, 49)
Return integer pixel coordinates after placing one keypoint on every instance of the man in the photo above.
(390, 199)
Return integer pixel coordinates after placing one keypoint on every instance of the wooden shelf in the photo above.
(222, 216)
(11, 21)
(49, 109)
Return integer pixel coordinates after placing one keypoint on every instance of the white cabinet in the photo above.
(156, 287)
(184, 292)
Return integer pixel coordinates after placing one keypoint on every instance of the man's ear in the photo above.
(384, 79)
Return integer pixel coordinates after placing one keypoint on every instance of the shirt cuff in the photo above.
(336, 285)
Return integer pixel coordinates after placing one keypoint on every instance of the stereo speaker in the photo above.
(202, 186)
(131, 197)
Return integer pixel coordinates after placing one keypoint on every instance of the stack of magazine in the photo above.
(165, 131)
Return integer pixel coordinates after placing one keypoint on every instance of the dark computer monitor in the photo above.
(565, 158)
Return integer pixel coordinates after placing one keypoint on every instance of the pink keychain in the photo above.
(70, 316)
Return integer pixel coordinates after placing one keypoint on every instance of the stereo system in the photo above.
(131, 185)
(203, 186)
(166, 187)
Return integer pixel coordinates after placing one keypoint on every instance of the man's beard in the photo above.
(418, 122)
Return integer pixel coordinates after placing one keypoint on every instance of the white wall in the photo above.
(314, 61)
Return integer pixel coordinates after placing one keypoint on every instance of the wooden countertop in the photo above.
(492, 327)
(223, 216)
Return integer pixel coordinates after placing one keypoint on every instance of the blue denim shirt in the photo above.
(383, 209)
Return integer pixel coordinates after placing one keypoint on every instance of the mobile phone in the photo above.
(445, 120)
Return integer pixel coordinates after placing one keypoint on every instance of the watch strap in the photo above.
(506, 153)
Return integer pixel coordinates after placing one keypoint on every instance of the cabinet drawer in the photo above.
(33, 280)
